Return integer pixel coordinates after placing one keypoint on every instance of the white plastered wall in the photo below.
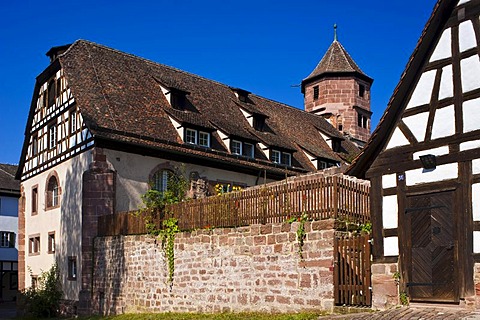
(133, 173)
(65, 221)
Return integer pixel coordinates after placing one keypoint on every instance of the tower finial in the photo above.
(335, 32)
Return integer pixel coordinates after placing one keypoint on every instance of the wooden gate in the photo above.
(352, 275)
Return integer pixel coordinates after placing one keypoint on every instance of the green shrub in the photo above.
(43, 299)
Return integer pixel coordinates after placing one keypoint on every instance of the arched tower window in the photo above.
(53, 192)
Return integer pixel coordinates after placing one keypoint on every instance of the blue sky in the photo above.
(263, 46)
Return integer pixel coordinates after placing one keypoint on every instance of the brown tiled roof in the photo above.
(8, 184)
(120, 98)
(336, 60)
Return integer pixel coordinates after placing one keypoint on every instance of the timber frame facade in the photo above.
(58, 131)
(424, 165)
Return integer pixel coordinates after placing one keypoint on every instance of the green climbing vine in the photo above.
(167, 234)
(154, 210)
(403, 296)
(301, 233)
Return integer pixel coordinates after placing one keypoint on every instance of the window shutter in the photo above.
(12, 240)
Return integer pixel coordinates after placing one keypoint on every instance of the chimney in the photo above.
(54, 52)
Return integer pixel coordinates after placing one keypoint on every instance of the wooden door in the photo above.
(431, 258)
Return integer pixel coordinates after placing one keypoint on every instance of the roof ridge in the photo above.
(175, 69)
(349, 58)
(147, 61)
(11, 175)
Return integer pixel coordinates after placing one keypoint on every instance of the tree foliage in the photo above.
(43, 299)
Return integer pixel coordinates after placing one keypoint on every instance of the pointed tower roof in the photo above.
(335, 61)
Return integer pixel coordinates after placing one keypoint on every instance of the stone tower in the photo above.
(340, 92)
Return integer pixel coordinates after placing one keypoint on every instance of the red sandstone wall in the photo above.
(385, 293)
(255, 268)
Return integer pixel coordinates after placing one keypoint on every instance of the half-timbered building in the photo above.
(9, 194)
(423, 161)
(104, 126)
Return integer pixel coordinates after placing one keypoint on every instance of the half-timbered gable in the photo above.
(57, 131)
(423, 161)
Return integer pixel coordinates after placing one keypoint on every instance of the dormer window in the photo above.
(323, 164)
(281, 157)
(336, 145)
(242, 95)
(197, 137)
(178, 99)
(242, 148)
(286, 158)
(258, 122)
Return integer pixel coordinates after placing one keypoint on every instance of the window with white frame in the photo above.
(242, 148)
(51, 242)
(248, 150)
(190, 136)
(281, 157)
(52, 136)
(204, 139)
(34, 244)
(275, 156)
(53, 192)
(322, 165)
(236, 147)
(7, 239)
(73, 121)
(197, 137)
(34, 200)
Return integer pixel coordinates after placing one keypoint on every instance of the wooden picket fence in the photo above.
(320, 197)
(352, 274)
